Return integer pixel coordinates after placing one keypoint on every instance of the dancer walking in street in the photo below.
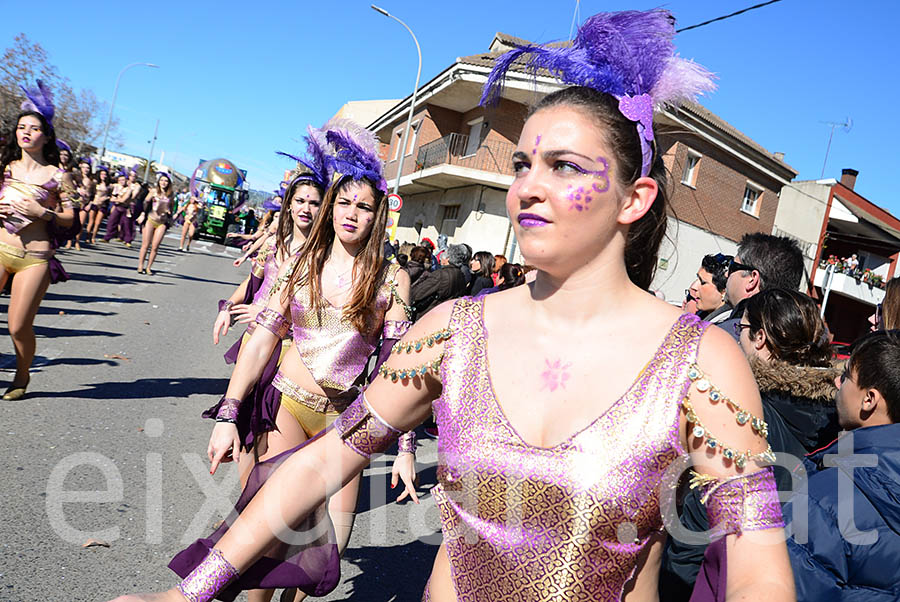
(121, 205)
(155, 220)
(554, 484)
(34, 205)
(191, 213)
(97, 208)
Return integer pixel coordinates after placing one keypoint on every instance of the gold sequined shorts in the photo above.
(155, 224)
(14, 260)
(313, 412)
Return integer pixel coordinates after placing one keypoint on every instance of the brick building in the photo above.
(832, 220)
(456, 168)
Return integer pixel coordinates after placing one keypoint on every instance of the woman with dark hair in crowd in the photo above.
(415, 266)
(555, 441)
(35, 207)
(155, 220)
(97, 207)
(510, 275)
(499, 262)
(787, 345)
(709, 288)
(887, 313)
(482, 266)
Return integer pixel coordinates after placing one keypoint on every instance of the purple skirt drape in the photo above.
(308, 559)
(260, 407)
(713, 576)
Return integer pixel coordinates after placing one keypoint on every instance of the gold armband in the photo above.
(363, 430)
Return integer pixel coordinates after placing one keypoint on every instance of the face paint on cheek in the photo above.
(601, 175)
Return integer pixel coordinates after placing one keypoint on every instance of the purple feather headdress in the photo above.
(355, 151)
(315, 167)
(628, 55)
(39, 99)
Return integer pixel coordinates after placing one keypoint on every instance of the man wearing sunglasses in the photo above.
(762, 261)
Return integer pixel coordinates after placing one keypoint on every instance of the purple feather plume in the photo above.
(315, 166)
(625, 53)
(39, 99)
(355, 151)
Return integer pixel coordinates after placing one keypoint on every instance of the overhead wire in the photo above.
(723, 17)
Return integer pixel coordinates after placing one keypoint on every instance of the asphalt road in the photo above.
(109, 444)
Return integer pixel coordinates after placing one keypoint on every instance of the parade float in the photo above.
(219, 185)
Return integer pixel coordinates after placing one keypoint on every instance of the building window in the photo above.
(397, 145)
(413, 137)
(449, 218)
(689, 176)
(750, 203)
(476, 131)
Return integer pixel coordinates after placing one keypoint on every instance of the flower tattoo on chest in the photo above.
(554, 375)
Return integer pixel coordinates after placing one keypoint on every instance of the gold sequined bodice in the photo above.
(561, 524)
(331, 348)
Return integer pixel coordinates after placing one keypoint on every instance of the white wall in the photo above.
(682, 251)
(801, 213)
(481, 223)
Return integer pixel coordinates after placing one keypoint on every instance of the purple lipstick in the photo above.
(531, 220)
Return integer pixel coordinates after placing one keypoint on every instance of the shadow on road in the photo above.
(43, 310)
(390, 572)
(51, 296)
(147, 388)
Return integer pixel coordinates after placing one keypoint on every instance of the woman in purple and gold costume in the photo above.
(117, 223)
(259, 408)
(562, 438)
(191, 212)
(97, 208)
(342, 296)
(35, 207)
(87, 189)
(155, 220)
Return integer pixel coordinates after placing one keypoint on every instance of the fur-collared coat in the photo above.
(799, 408)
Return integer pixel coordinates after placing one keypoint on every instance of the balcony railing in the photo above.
(454, 149)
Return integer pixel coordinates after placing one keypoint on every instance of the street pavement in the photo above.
(109, 445)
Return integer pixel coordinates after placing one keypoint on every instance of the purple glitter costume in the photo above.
(566, 523)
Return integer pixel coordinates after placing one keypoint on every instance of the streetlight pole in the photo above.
(412, 102)
(150, 156)
(113, 104)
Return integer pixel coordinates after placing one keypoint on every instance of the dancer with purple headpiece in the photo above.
(36, 211)
(259, 408)
(562, 438)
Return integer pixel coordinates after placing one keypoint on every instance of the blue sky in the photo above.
(243, 79)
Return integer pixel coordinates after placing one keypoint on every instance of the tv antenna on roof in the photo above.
(846, 126)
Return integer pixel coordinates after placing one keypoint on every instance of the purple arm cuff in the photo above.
(228, 410)
(274, 322)
(407, 443)
(225, 304)
(744, 503)
(363, 431)
(209, 578)
(395, 329)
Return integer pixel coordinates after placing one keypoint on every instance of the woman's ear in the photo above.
(759, 339)
(639, 201)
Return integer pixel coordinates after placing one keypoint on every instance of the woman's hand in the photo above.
(172, 595)
(239, 261)
(405, 468)
(28, 208)
(224, 445)
(140, 219)
(220, 327)
(244, 313)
